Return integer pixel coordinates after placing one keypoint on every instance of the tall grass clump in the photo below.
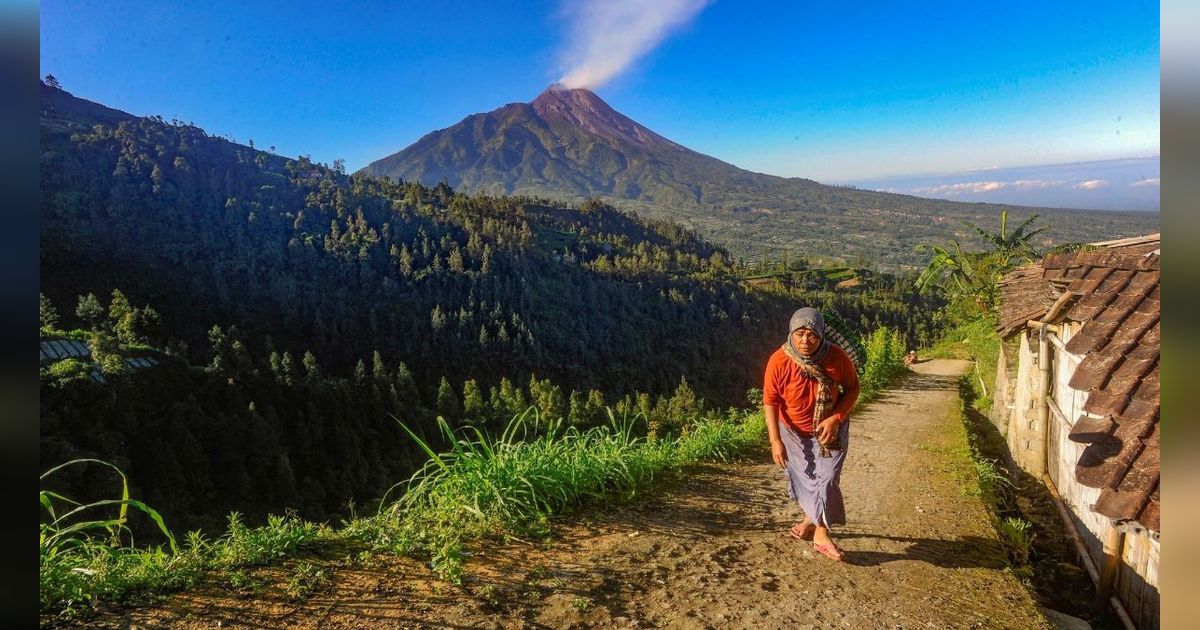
(885, 360)
(88, 554)
(510, 485)
(1018, 539)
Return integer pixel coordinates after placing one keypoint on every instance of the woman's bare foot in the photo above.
(824, 545)
(803, 530)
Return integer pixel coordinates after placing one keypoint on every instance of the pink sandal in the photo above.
(830, 551)
(802, 533)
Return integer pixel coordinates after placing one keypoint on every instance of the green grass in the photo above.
(511, 485)
(977, 341)
(1018, 539)
(481, 487)
(87, 554)
(885, 361)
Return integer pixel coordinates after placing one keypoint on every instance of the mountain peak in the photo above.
(580, 107)
(580, 101)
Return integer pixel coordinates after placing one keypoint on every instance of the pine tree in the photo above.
(120, 318)
(106, 352)
(447, 401)
(311, 371)
(275, 363)
(90, 310)
(47, 314)
(378, 369)
(474, 410)
(683, 404)
(360, 372)
(288, 367)
(406, 388)
(595, 407)
(221, 362)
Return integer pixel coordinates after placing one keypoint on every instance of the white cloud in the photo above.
(962, 188)
(1031, 184)
(1153, 181)
(605, 37)
(1091, 184)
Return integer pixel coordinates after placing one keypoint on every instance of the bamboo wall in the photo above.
(1137, 578)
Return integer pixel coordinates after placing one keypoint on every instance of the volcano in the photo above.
(568, 144)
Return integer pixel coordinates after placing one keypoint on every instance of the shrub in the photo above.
(885, 360)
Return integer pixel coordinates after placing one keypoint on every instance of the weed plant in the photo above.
(1017, 538)
(511, 485)
(481, 486)
(87, 554)
(885, 361)
(307, 579)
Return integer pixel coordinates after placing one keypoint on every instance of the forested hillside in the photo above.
(571, 145)
(296, 308)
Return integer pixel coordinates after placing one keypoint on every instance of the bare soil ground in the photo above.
(711, 551)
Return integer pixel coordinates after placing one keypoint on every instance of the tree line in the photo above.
(306, 296)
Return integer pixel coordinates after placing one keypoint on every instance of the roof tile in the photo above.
(1103, 403)
(1119, 305)
(1089, 306)
(1150, 514)
(1088, 429)
(1096, 461)
(1124, 504)
(1087, 339)
(1115, 281)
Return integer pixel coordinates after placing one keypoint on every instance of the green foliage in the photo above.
(244, 583)
(106, 352)
(474, 410)
(243, 546)
(47, 314)
(509, 485)
(81, 560)
(447, 400)
(970, 278)
(306, 579)
(84, 562)
(1018, 539)
(885, 360)
(69, 369)
(90, 310)
(978, 341)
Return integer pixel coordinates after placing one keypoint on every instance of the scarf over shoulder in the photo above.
(810, 366)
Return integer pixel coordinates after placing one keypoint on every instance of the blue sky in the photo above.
(840, 93)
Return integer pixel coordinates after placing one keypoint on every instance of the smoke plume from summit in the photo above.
(606, 36)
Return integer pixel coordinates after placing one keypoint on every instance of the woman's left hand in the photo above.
(827, 429)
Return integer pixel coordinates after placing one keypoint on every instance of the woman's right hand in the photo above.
(779, 453)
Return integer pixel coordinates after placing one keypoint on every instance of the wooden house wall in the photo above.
(1137, 578)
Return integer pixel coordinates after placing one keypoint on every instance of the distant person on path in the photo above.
(809, 387)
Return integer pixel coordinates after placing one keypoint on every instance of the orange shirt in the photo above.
(794, 394)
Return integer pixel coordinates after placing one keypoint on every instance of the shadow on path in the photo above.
(960, 553)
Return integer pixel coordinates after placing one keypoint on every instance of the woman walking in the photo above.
(809, 387)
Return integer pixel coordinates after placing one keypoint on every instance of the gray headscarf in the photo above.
(811, 319)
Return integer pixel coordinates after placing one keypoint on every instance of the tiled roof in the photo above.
(1024, 295)
(1117, 301)
(61, 349)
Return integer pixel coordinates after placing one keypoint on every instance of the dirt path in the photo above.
(710, 553)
